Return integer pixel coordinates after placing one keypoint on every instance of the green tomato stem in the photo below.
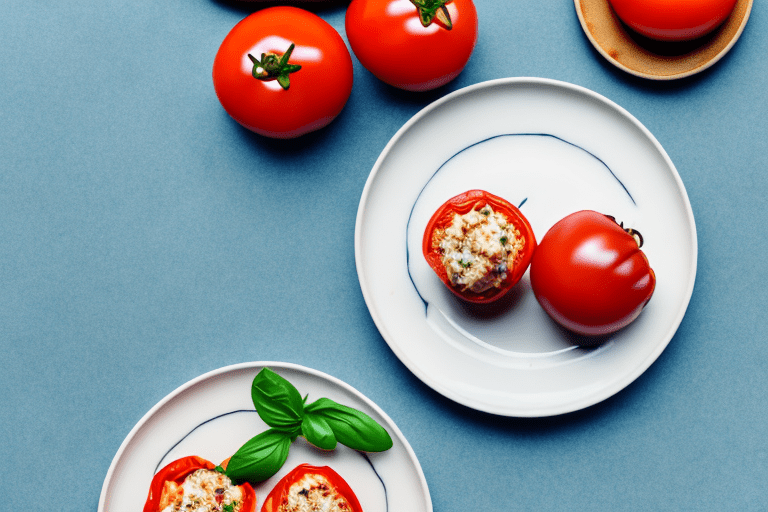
(272, 66)
(431, 9)
(630, 231)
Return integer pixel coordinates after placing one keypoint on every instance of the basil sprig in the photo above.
(323, 423)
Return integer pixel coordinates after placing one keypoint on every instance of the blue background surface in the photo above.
(138, 251)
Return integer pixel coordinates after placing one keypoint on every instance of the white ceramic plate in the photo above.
(213, 415)
(552, 148)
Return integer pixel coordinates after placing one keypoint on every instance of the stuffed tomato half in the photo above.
(193, 483)
(479, 245)
(309, 487)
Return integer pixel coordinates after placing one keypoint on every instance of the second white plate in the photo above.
(213, 415)
(551, 148)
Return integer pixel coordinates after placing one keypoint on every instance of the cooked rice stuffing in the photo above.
(478, 248)
(204, 490)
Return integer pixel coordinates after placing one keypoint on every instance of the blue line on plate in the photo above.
(197, 427)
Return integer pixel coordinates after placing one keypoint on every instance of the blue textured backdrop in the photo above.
(137, 252)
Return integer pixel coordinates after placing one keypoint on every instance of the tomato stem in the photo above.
(631, 232)
(431, 9)
(274, 67)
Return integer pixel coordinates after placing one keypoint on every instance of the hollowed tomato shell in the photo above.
(297, 474)
(462, 204)
(178, 470)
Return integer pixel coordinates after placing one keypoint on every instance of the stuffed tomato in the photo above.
(309, 487)
(479, 245)
(193, 483)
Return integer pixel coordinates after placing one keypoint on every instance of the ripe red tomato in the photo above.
(673, 20)
(304, 70)
(465, 203)
(589, 274)
(310, 482)
(409, 50)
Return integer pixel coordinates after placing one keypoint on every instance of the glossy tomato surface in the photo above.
(306, 477)
(462, 204)
(590, 275)
(316, 93)
(177, 471)
(673, 20)
(389, 39)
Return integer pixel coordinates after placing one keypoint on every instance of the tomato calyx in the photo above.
(274, 67)
(630, 231)
(431, 9)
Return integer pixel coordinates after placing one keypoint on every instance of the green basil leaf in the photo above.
(317, 431)
(277, 401)
(260, 457)
(351, 427)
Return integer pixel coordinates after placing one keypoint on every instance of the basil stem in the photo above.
(260, 457)
(351, 427)
(277, 401)
(317, 431)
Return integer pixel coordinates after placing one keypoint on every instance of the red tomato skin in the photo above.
(673, 20)
(317, 92)
(389, 40)
(297, 474)
(464, 203)
(590, 276)
(178, 470)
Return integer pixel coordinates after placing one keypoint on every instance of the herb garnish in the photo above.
(323, 423)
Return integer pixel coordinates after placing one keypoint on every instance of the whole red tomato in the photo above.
(283, 72)
(178, 470)
(416, 45)
(319, 483)
(589, 274)
(673, 20)
(463, 204)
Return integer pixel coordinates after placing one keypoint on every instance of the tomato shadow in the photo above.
(249, 6)
(581, 340)
(493, 309)
(511, 300)
(280, 155)
(393, 94)
(668, 48)
(673, 49)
